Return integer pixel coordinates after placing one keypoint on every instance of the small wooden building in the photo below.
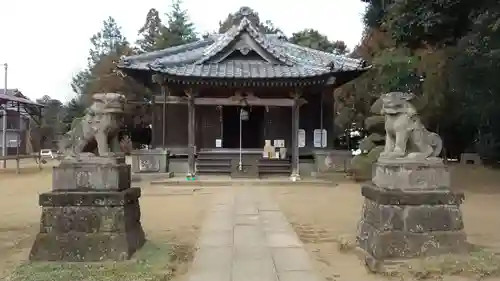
(219, 99)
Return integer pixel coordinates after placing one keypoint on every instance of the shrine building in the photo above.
(218, 100)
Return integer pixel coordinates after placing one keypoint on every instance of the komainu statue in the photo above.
(406, 136)
(98, 128)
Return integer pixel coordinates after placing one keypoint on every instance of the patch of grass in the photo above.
(477, 264)
(154, 262)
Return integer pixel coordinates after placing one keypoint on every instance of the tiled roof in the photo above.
(15, 95)
(242, 69)
(230, 36)
(10, 92)
(197, 59)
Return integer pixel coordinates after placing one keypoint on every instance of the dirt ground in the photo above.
(325, 219)
(173, 216)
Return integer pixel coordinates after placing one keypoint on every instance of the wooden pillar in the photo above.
(160, 81)
(295, 137)
(18, 136)
(164, 117)
(40, 137)
(191, 133)
(153, 125)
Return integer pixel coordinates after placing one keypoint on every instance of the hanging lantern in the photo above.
(243, 115)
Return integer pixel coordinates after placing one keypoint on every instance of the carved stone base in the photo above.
(89, 226)
(400, 224)
(92, 173)
(410, 174)
(150, 161)
(295, 177)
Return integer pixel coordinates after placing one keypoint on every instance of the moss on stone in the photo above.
(156, 261)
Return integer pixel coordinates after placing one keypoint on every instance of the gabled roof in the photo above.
(225, 40)
(14, 95)
(244, 53)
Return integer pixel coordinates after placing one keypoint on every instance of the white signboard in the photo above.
(320, 138)
(302, 138)
(279, 143)
(218, 143)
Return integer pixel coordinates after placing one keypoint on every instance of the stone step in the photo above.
(225, 180)
(275, 171)
(215, 163)
(265, 161)
(214, 170)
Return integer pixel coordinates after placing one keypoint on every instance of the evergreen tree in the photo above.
(102, 76)
(108, 42)
(313, 39)
(179, 29)
(446, 54)
(75, 108)
(149, 33)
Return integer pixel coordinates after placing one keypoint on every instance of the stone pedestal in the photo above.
(91, 216)
(404, 174)
(92, 174)
(409, 211)
(150, 161)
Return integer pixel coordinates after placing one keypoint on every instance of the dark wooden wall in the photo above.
(208, 126)
(176, 125)
(277, 123)
(310, 118)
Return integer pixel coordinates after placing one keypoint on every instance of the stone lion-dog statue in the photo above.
(98, 128)
(406, 136)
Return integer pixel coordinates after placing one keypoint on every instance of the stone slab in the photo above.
(114, 158)
(263, 242)
(412, 218)
(411, 174)
(216, 239)
(291, 259)
(217, 225)
(249, 235)
(86, 198)
(87, 247)
(253, 270)
(243, 252)
(246, 210)
(247, 220)
(150, 161)
(383, 245)
(96, 173)
(212, 275)
(89, 219)
(210, 258)
(272, 217)
(268, 207)
(278, 227)
(298, 276)
(386, 196)
(283, 239)
(89, 226)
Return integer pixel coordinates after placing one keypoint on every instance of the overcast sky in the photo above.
(46, 42)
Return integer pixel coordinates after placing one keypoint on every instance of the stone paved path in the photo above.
(246, 237)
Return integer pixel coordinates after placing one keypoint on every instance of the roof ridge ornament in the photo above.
(227, 37)
(245, 11)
